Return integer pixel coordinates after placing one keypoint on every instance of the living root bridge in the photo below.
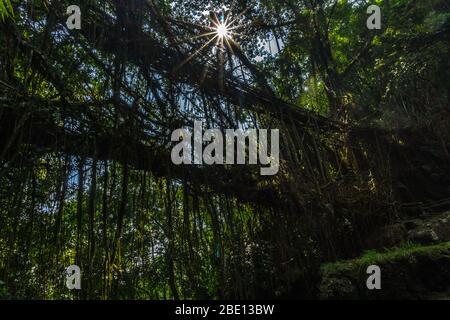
(31, 123)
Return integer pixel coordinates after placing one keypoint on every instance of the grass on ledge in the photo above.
(373, 257)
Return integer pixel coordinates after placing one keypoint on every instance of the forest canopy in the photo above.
(86, 117)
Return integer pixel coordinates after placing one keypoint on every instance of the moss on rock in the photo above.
(407, 272)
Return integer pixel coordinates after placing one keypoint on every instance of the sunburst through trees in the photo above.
(221, 31)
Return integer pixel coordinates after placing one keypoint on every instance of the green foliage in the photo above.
(85, 115)
(373, 257)
(3, 293)
(6, 9)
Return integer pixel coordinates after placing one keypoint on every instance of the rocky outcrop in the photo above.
(432, 229)
(410, 272)
(429, 228)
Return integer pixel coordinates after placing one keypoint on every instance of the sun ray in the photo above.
(189, 58)
(192, 24)
(227, 42)
(240, 15)
(223, 31)
(203, 35)
(217, 42)
(221, 65)
(235, 28)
